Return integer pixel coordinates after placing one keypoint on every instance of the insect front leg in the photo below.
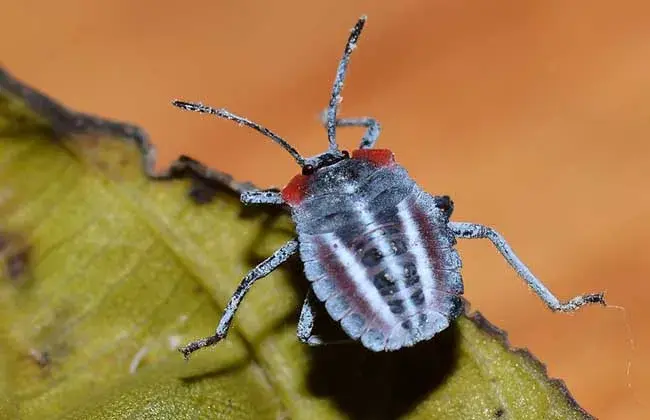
(477, 231)
(373, 128)
(262, 270)
(262, 197)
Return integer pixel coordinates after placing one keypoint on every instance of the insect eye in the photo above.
(346, 154)
(308, 169)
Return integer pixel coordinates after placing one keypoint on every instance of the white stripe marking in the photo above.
(395, 270)
(416, 247)
(357, 273)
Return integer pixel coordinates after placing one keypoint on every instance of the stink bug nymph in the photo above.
(376, 248)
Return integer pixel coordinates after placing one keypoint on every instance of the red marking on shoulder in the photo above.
(295, 190)
(380, 157)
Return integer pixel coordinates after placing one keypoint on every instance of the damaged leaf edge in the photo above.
(501, 336)
(67, 122)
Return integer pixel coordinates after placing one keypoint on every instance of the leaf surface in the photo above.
(109, 266)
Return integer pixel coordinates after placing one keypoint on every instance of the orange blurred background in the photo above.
(534, 116)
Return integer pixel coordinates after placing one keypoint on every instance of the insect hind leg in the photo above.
(477, 231)
(262, 270)
(306, 324)
(373, 128)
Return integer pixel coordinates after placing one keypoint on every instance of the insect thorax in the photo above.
(337, 196)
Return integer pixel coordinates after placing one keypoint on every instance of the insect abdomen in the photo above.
(390, 274)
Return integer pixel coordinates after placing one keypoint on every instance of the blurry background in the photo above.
(534, 116)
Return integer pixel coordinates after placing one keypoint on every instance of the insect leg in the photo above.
(306, 324)
(477, 231)
(262, 270)
(373, 128)
(262, 197)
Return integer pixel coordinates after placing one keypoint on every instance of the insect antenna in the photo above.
(338, 82)
(222, 113)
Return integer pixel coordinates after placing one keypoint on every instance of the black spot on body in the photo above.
(407, 325)
(411, 277)
(384, 284)
(359, 246)
(499, 412)
(371, 257)
(396, 306)
(398, 246)
(418, 297)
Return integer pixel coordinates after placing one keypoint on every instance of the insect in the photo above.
(376, 248)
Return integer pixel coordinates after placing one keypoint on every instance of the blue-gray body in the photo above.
(378, 252)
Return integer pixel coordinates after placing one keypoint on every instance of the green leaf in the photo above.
(109, 266)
